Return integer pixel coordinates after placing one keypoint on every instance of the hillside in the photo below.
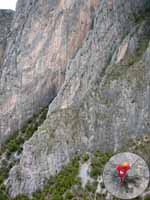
(89, 63)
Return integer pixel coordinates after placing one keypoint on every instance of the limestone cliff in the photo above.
(104, 99)
(6, 17)
(45, 35)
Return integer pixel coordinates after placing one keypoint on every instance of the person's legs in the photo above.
(122, 181)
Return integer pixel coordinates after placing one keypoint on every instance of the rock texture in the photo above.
(103, 101)
(6, 17)
(45, 36)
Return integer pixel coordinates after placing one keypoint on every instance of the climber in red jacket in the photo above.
(122, 171)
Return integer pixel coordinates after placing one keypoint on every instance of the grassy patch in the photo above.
(85, 157)
(91, 187)
(98, 161)
(65, 179)
(147, 198)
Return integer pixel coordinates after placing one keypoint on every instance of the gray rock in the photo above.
(103, 101)
(146, 194)
(6, 17)
(108, 197)
(45, 35)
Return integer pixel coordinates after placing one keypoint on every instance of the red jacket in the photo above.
(122, 170)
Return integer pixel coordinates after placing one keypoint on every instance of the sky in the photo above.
(8, 4)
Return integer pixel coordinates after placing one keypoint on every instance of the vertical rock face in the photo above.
(45, 35)
(6, 17)
(104, 99)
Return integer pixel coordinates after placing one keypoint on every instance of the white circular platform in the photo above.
(136, 180)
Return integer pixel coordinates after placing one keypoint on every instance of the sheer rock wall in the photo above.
(104, 100)
(45, 35)
(6, 17)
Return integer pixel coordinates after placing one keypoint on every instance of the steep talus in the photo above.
(103, 101)
(45, 35)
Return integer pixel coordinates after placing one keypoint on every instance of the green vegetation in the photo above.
(69, 195)
(91, 187)
(98, 161)
(85, 157)
(131, 67)
(117, 71)
(141, 48)
(147, 198)
(14, 144)
(145, 15)
(66, 185)
(59, 186)
(133, 73)
(22, 197)
(64, 180)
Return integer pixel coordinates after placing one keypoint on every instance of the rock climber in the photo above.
(122, 171)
